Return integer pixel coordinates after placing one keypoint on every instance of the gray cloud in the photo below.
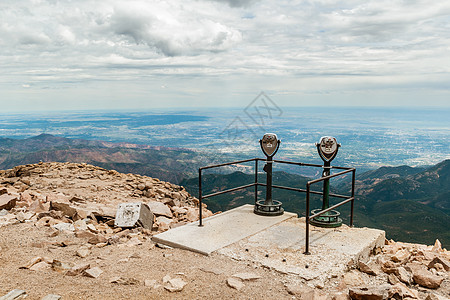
(237, 3)
(251, 45)
(173, 31)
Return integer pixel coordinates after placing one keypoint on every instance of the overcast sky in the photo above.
(117, 54)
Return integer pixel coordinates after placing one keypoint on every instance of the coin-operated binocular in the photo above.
(328, 148)
(269, 207)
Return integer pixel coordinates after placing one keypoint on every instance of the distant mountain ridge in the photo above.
(170, 164)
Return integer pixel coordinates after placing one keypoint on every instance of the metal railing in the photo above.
(308, 190)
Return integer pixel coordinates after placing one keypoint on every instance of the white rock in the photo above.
(175, 285)
(64, 226)
(247, 276)
(160, 209)
(235, 283)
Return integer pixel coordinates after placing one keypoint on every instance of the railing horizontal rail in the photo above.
(303, 190)
(330, 208)
(229, 190)
(227, 164)
(330, 176)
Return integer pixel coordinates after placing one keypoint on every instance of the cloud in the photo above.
(220, 47)
(172, 30)
(237, 3)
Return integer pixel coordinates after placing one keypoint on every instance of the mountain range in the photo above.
(168, 164)
(411, 203)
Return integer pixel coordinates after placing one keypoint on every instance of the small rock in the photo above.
(7, 201)
(151, 283)
(437, 247)
(392, 279)
(97, 239)
(369, 293)
(37, 206)
(404, 275)
(14, 294)
(401, 291)
(235, 283)
(353, 278)
(51, 297)
(85, 234)
(60, 266)
(93, 272)
(83, 252)
(401, 256)
(160, 209)
(41, 266)
(215, 271)
(64, 207)
(305, 293)
(78, 269)
(166, 279)
(31, 263)
(175, 285)
(340, 296)
(164, 223)
(80, 225)
(427, 279)
(247, 276)
(124, 281)
(64, 227)
(92, 228)
(440, 260)
(369, 268)
(134, 242)
(22, 217)
(432, 296)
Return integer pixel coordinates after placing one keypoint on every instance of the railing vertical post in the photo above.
(353, 196)
(307, 220)
(256, 180)
(200, 219)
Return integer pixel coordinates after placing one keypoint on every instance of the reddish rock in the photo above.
(7, 201)
(404, 275)
(369, 268)
(97, 239)
(401, 256)
(427, 279)
(78, 269)
(401, 291)
(440, 260)
(93, 272)
(369, 293)
(160, 209)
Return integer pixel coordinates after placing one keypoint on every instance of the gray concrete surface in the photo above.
(219, 230)
(278, 243)
(333, 250)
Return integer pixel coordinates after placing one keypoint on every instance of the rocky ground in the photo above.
(58, 240)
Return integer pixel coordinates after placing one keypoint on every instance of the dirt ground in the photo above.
(205, 276)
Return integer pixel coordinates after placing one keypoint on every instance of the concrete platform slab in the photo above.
(333, 250)
(219, 230)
